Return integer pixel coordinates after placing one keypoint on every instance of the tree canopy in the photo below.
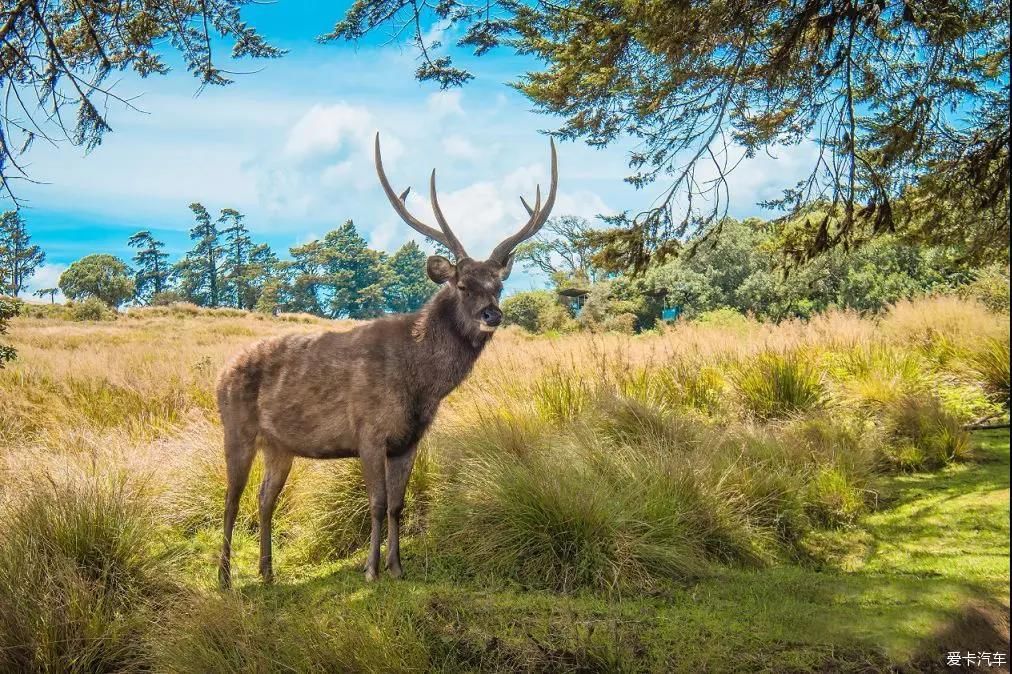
(102, 276)
(19, 257)
(56, 56)
(907, 104)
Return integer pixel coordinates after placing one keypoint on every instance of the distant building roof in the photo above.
(573, 292)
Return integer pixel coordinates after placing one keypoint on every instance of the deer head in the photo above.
(476, 285)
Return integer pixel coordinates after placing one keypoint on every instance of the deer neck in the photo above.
(449, 348)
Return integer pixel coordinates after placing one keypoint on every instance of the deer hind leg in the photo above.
(240, 448)
(277, 465)
(374, 472)
(398, 472)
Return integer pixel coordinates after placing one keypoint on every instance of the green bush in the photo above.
(724, 317)
(91, 309)
(990, 287)
(165, 298)
(534, 311)
(624, 323)
(775, 385)
(9, 308)
(78, 569)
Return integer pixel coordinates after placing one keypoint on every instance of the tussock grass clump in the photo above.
(333, 508)
(774, 385)
(78, 567)
(585, 512)
(833, 499)
(923, 435)
(561, 396)
(331, 505)
(686, 384)
(630, 421)
(991, 363)
(196, 500)
(876, 374)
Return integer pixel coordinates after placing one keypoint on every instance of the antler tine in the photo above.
(538, 216)
(453, 243)
(537, 202)
(399, 206)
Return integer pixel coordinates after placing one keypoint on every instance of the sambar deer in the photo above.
(370, 392)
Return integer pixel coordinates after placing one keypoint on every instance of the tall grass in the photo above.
(774, 385)
(595, 462)
(79, 567)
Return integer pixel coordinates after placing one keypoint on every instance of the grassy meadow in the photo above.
(721, 496)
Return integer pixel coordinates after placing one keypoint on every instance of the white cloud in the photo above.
(445, 103)
(46, 276)
(461, 148)
(327, 129)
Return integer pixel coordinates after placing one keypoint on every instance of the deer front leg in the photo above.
(374, 472)
(398, 472)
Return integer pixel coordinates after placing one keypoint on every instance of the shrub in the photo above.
(624, 323)
(531, 310)
(91, 309)
(990, 287)
(166, 297)
(77, 569)
(725, 317)
(9, 308)
(775, 385)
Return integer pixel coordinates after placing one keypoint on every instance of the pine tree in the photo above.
(409, 286)
(151, 264)
(355, 275)
(238, 245)
(19, 258)
(200, 273)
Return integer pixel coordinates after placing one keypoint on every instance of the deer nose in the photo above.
(491, 316)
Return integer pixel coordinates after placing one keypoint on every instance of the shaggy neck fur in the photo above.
(441, 319)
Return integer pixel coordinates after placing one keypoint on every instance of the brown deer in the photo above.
(370, 392)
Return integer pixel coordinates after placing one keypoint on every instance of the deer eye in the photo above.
(461, 287)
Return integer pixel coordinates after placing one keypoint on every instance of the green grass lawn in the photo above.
(926, 573)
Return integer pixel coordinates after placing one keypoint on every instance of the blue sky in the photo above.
(290, 145)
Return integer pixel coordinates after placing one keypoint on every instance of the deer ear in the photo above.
(504, 271)
(440, 269)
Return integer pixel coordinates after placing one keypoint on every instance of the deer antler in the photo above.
(445, 236)
(538, 215)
